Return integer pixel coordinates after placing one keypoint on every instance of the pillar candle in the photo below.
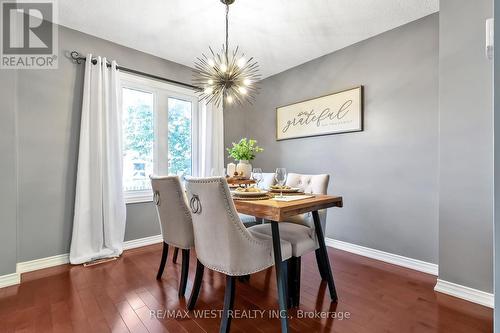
(231, 168)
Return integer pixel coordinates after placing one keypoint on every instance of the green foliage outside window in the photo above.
(179, 138)
(139, 132)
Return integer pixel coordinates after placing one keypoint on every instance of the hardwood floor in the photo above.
(118, 297)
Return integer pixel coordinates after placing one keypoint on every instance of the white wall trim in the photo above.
(135, 243)
(33, 265)
(61, 259)
(9, 280)
(418, 265)
(466, 293)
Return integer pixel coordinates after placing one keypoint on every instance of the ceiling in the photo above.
(279, 34)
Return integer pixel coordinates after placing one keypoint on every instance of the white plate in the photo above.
(249, 194)
(289, 190)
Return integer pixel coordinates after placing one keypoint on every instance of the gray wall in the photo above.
(386, 174)
(497, 168)
(8, 188)
(49, 103)
(466, 145)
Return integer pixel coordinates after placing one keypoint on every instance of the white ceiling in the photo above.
(280, 34)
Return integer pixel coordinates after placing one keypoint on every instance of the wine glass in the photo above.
(280, 176)
(257, 175)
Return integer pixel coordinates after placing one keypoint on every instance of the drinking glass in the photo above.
(257, 175)
(280, 177)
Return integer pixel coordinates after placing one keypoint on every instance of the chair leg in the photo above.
(293, 282)
(287, 273)
(225, 324)
(244, 278)
(196, 285)
(163, 261)
(291, 272)
(184, 272)
(297, 282)
(174, 258)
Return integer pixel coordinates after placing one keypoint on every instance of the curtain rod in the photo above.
(78, 58)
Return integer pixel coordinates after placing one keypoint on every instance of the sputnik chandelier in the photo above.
(227, 76)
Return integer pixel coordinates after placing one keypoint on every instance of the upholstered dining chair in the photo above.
(224, 245)
(175, 221)
(301, 233)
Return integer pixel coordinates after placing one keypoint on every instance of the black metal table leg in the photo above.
(321, 264)
(280, 277)
(324, 254)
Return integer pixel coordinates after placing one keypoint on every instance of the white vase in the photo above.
(244, 168)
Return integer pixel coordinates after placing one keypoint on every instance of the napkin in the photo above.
(293, 197)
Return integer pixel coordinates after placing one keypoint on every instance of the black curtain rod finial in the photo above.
(77, 57)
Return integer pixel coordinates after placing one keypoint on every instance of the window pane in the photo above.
(179, 137)
(138, 139)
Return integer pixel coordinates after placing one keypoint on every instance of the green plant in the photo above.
(244, 150)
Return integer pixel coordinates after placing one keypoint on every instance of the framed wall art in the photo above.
(340, 112)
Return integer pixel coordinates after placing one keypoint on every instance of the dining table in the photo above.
(276, 211)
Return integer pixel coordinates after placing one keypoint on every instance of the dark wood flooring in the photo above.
(118, 297)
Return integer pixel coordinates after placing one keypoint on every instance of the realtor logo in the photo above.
(28, 34)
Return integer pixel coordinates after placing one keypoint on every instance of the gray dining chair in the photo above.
(300, 231)
(175, 222)
(224, 245)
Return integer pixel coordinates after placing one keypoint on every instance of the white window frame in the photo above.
(162, 91)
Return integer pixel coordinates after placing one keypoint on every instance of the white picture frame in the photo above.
(336, 113)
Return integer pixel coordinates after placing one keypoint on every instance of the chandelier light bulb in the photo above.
(223, 68)
(208, 90)
(211, 62)
(229, 99)
(246, 82)
(210, 81)
(241, 62)
(242, 90)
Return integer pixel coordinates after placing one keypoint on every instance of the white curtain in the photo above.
(211, 157)
(99, 220)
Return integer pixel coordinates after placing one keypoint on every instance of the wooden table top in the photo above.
(281, 210)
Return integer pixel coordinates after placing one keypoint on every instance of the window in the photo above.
(160, 127)
(179, 137)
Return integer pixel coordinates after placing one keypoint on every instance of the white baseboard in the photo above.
(9, 280)
(466, 293)
(61, 259)
(445, 287)
(33, 265)
(132, 244)
(418, 265)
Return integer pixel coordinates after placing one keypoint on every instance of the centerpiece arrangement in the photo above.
(244, 151)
